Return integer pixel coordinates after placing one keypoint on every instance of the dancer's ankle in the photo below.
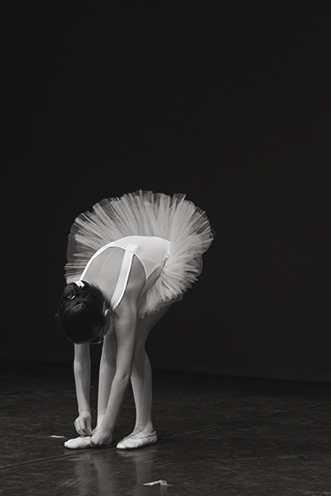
(143, 430)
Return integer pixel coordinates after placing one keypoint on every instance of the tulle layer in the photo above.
(145, 213)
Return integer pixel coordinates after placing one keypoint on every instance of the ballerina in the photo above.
(129, 260)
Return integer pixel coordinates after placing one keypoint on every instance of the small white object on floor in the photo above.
(137, 441)
(154, 483)
(58, 437)
(78, 443)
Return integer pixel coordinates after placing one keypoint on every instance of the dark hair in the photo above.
(81, 312)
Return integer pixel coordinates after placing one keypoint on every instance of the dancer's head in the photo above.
(83, 313)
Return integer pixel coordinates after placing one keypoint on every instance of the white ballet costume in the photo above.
(171, 218)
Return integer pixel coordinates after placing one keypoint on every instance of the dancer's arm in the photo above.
(106, 373)
(125, 327)
(82, 374)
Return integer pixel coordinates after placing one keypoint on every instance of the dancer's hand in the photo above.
(100, 438)
(83, 424)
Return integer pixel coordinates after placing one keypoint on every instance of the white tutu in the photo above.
(145, 213)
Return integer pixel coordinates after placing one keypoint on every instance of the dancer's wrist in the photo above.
(100, 420)
(85, 410)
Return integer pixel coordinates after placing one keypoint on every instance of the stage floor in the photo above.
(217, 436)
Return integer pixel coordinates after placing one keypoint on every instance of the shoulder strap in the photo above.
(123, 277)
(103, 248)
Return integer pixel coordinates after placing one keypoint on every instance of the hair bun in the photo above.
(74, 290)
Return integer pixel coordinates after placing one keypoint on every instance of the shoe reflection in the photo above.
(112, 472)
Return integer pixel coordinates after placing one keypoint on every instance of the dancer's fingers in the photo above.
(88, 428)
(80, 428)
(83, 424)
(87, 432)
(77, 427)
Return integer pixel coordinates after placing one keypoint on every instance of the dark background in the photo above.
(228, 102)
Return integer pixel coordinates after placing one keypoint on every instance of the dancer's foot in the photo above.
(139, 440)
(78, 443)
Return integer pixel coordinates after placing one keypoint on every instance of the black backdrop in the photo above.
(227, 102)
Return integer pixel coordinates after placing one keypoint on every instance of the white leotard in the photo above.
(152, 252)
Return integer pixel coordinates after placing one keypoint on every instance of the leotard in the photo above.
(152, 252)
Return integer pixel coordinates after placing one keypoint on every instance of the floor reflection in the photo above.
(107, 471)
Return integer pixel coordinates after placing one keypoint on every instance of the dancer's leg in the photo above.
(141, 375)
(141, 381)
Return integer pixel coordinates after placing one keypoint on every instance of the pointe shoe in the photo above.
(135, 442)
(78, 443)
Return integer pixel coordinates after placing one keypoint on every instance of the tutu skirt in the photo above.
(145, 213)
